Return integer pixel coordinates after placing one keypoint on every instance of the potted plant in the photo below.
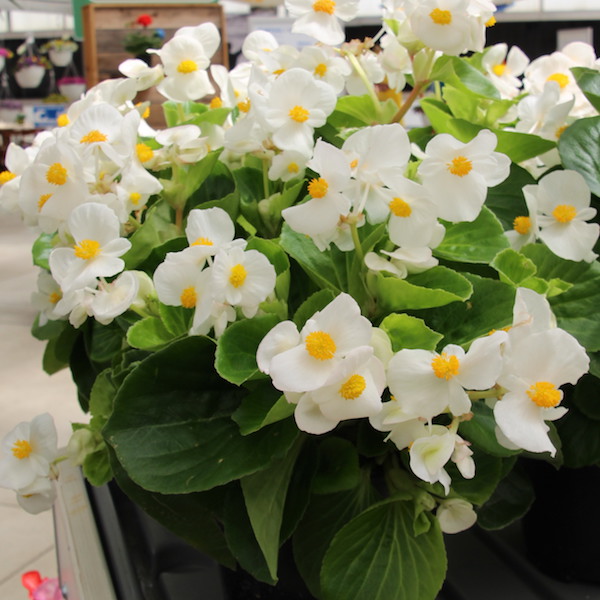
(141, 39)
(60, 51)
(296, 324)
(30, 70)
(71, 87)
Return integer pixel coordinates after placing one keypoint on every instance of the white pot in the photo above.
(71, 91)
(30, 77)
(60, 58)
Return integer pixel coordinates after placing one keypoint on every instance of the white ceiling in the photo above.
(48, 6)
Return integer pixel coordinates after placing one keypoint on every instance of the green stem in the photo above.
(265, 174)
(495, 392)
(179, 219)
(181, 113)
(357, 245)
(410, 100)
(367, 83)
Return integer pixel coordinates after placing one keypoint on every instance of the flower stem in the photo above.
(367, 83)
(410, 100)
(357, 245)
(495, 392)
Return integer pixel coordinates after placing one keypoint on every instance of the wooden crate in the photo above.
(105, 28)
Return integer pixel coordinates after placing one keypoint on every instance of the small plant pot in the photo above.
(30, 77)
(60, 58)
(71, 91)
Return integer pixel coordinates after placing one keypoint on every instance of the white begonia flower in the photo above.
(182, 144)
(531, 314)
(28, 452)
(525, 227)
(428, 383)
(326, 338)
(16, 160)
(46, 297)
(504, 67)
(242, 278)
(429, 455)
(296, 104)
(536, 366)
(563, 207)
(374, 166)
(38, 496)
(77, 304)
(402, 261)
(370, 63)
(455, 515)
(98, 246)
(319, 18)
(257, 43)
(325, 65)
(457, 176)
(395, 61)
(115, 298)
(277, 61)
(136, 186)
(321, 214)
(287, 165)
(143, 74)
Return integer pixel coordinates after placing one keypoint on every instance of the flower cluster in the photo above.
(59, 45)
(139, 41)
(288, 298)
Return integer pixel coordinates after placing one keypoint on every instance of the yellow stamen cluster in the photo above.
(320, 70)
(400, 207)
(560, 131)
(146, 112)
(54, 297)
(544, 394)
(353, 387)
(6, 176)
(491, 21)
(320, 345)
(293, 167)
(522, 225)
(244, 106)
(21, 449)
(87, 249)
(445, 366)
(326, 6)
(56, 174)
(441, 17)
(202, 241)
(499, 69)
(43, 199)
(62, 120)
(216, 102)
(317, 188)
(134, 198)
(237, 275)
(93, 136)
(564, 213)
(187, 66)
(560, 78)
(189, 297)
(298, 114)
(144, 152)
(460, 166)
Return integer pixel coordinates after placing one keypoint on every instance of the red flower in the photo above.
(144, 20)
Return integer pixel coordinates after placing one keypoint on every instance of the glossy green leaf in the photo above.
(338, 468)
(475, 242)
(364, 111)
(586, 396)
(513, 267)
(588, 81)
(261, 407)
(461, 75)
(377, 557)
(96, 467)
(197, 173)
(580, 437)
(49, 330)
(176, 319)
(488, 472)
(102, 399)
(148, 334)
(40, 251)
(405, 331)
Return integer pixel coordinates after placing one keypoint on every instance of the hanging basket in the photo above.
(30, 76)
(60, 58)
(71, 87)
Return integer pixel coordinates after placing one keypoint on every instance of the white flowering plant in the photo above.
(293, 320)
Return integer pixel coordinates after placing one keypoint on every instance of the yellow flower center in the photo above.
(560, 78)
(216, 102)
(444, 366)
(62, 120)
(320, 70)
(135, 197)
(293, 167)
(6, 176)
(499, 69)
(56, 174)
(441, 17)
(326, 6)
(93, 136)
(491, 21)
(354, 163)
(564, 213)
(189, 297)
(146, 112)
(237, 275)
(54, 297)
(21, 449)
(317, 188)
(278, 72)
(43, 199)
(400, 207)
(320, 345)
(544, 394)
(87, 249)
(187, 66)
(244, 106)
(353, 388)
(202, 241)
(144, 152)
(460, 166)
(522, 225)
(299, 114)
(560, 131)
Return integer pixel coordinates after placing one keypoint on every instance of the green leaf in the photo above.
(96, 467)
(41, 249)
(265, 493)
(249, 185)
(513, 267)
(579, 149)
(436, 287)
(481, 431)
(148, 334)
(49, 330)
(314, 303)
(338, 469)
(260, 408)
(362, 109)
(588, 81)
(57, 353)
(236, 348)
(460, 74)
(576, 309)
(324, 517)
(488, 472)
(475, 242)
(587, 396)
(177, 320)
(580, 437)
(509, 502)
(197, 173)
(405, 331)
(271, 249)
(102, 399)
(377, 557)
(103, 342)
(171, 429)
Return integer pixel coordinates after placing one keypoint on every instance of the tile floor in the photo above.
(26, 541)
